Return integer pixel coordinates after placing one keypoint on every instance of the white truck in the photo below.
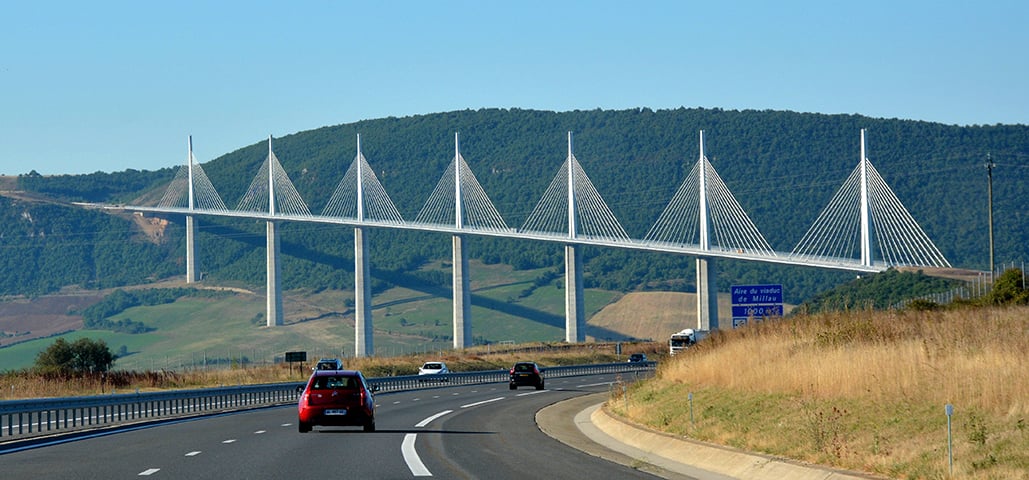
(681, 340)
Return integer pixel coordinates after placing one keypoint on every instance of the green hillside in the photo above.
(783, 168)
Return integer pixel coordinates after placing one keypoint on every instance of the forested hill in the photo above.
(782, 167)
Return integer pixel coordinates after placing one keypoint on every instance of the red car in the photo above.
(337, 398)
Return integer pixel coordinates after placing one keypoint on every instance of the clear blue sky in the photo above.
(106, 86)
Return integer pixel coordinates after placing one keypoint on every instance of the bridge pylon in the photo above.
(707, 283)
(866, 220)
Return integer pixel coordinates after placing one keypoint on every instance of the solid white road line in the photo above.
(414, 463)
(430, 419)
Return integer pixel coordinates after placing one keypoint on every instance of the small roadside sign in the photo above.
(293, 357)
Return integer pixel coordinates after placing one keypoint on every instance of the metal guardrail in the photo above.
(21, 419)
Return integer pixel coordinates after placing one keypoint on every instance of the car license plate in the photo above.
(336, 411)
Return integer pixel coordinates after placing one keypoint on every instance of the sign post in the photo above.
(296, 357)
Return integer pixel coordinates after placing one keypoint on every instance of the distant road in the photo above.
(482, 431)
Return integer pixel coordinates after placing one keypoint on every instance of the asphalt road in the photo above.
(473, 432)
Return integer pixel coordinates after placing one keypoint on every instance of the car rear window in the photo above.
(523, 367)
(433, 366)
(331, 382)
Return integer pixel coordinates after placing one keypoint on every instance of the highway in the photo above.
(478, 431)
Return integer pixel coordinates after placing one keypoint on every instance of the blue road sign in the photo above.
(755, 301)
(756, 294)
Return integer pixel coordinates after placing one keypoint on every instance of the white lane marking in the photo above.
(286, 425)
(430, 419)
(532, 393)
(595, 384)
(193, 453)
(455, 394)
(258, 432)
(231, 440)
(148, 472)
(482, 402)
(396, 402)
(411, 457)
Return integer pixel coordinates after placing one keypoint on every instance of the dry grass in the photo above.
(25, 384)
(860, 390)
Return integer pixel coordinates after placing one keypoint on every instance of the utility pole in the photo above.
(989, 175)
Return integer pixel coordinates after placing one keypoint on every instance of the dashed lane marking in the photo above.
(482, 402)
(430, 419)
(532, 393)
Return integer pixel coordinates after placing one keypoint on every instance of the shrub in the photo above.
(79, 357)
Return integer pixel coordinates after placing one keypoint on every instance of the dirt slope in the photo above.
(655, 315)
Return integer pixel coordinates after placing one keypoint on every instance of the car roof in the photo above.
(322, 373)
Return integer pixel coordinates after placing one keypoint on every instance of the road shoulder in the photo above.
(582, 424)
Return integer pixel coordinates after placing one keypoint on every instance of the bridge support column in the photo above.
(274, 295)
(707, 295)
(462, 296)
(363, 344)
(191, 258)
(575, 314)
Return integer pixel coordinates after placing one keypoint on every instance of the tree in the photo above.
(1009, 289)
(79, 357)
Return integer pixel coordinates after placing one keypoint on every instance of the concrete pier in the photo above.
(707, 295)
(462, 296)
(191, 251)
(575, 310)
(274, 293)
(363, 342)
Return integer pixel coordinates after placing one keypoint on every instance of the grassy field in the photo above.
(198, 332)
(864, 391)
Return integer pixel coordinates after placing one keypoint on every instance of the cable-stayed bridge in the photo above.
(864, 228)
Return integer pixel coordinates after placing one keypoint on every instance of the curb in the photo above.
(712, 458)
